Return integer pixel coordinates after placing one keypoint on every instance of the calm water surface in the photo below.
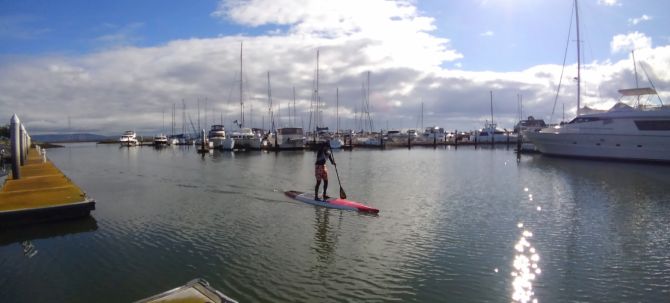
(460, 225)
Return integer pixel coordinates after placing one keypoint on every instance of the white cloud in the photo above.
(636, 21)
(630, 41)
(609, 2)
(120, 35)
(487, 34)
(112, 90)
(398, 34)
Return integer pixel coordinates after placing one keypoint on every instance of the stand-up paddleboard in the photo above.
(336, 203)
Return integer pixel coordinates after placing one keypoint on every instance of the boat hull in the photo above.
(605, 146)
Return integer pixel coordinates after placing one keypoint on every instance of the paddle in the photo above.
(343, 195)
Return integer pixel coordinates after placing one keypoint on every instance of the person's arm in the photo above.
(332, 160)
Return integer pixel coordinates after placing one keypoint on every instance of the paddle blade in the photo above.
(343, 195)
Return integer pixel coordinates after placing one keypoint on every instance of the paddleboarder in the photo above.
(321, 172)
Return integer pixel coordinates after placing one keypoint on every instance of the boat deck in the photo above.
(43, 193)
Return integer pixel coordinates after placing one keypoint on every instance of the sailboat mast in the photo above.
(579, 60)
(422, 115)
(289, 110)
(183, 117)
(368, 104)
(337, 98)
(241, 96)
(491, 107)
(318, 105)
(270, 112)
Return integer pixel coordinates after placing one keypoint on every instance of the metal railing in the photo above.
(20, 142)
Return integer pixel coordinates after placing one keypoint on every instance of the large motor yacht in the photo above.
(290, 138)
(160, 140)
(623, 132)
(246, 138)
(219, 140)
(491, 133)
(129, 138)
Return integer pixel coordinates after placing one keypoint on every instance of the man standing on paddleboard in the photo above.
(321, 172)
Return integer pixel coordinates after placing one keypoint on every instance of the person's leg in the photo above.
(316, 189)
(325, 188)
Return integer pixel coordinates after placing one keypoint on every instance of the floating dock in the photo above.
(42, 193)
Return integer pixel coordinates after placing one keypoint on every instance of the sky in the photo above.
(108, 66)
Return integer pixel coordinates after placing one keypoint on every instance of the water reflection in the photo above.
(525, 268)
(325, 236)
(46, 230)
(29, 249)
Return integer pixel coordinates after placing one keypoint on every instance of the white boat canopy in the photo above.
(637, 91)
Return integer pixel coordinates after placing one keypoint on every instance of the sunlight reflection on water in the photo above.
(525, 266)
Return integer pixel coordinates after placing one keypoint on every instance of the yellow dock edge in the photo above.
(43, 193)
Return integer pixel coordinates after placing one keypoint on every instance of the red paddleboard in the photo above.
(336, 203)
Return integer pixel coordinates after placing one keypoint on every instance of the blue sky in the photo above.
(425, 49)
(499, 35)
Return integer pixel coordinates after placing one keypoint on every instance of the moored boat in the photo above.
(290, 138)
(129, 138)
(218, 139)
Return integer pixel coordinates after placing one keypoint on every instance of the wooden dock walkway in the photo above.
(43, 193)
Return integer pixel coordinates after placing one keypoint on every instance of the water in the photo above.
(460, 225)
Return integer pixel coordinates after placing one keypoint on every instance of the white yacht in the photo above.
(623, 132)
(336, 142)
(129, 138)
(290, 138)
(246, 138)
(160, 140)
(219, 140)
(433, 134)
(521, 129)
(492, 133)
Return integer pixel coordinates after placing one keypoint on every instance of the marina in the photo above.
(335, 151)
(165, 216)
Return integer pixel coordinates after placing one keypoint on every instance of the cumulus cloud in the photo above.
(636, 21)
(399, 35)
(609, 2)
(111, 90)
(630, 41)
(487, 34)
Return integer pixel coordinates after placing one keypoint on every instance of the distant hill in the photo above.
(69, 138)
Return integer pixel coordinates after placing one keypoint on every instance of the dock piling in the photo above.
(15, 126)
(22, 144)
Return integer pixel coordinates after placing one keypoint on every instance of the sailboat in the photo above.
(336, 141)
(369, 139)
(161, 139)
(292, 137)
(245, 137)
(491, 133)
(623, 133)
(173, 140)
